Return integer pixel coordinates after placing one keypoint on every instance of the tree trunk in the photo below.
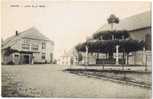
(134, 58)
(127, 58)
(111, 55)
(97, 55)
(123, 62)
(146, 59)
(123, 57)
(78, 61)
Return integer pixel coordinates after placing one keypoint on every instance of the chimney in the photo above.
(16, 33)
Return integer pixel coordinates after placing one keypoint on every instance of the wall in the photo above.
(37, 57)
(37, 54)
(141, 35)
(140, 58)
(90, 59)
(8, 59)
(49, 51)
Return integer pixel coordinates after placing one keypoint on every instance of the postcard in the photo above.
(76, 49)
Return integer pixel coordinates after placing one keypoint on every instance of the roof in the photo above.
(138, 21)
(10, 41)
(31, 33)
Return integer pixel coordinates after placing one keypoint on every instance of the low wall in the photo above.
(140, 58)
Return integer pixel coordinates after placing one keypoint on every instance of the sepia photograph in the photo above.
(76, 49)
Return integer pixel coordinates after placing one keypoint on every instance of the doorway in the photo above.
(26, 59)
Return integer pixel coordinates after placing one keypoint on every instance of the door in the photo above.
(26, 59)
(16, 59)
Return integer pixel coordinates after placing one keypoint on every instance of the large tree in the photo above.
(109, 46)
(110, 39)
(107, 35)
(112, 19)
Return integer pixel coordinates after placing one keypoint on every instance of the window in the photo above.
(34, 47)
(16, 56)
(26, 46)
(43, 55)
(26, 41)
(43, 45)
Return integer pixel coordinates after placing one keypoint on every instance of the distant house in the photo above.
(69, 57)
(65, 59)
(27, 47)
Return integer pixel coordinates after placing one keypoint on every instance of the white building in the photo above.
(68, 58)
(27, 47)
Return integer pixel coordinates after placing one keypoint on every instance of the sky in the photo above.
(67, 23)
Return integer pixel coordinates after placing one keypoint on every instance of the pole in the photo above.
(117, 55)
(86, 55)
(124, 72)
(146, 63)
(111, 26)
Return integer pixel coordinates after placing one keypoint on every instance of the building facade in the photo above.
(69, 57)
(27, 47)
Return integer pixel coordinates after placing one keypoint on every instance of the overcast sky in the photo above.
(65, 22)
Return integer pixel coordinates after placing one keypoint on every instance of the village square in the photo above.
(113, 62)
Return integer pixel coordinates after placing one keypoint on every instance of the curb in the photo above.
(116, 80)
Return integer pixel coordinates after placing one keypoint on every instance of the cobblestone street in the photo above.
(50, 81)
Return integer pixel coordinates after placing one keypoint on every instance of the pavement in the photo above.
(46, 80)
